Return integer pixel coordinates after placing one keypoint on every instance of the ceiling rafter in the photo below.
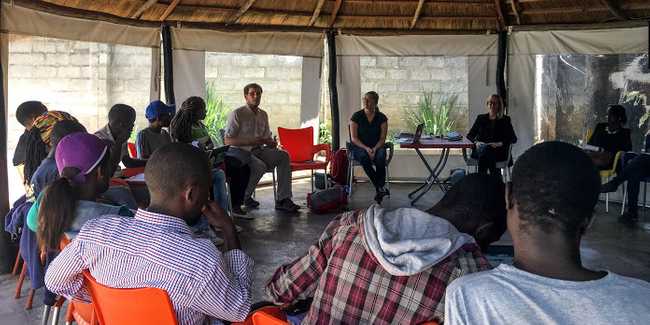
(138, 13)
(335, 12)
(417, 14)
(615, 9)
(169, 10)
(317, 10)
(244, 8)
(516, 9)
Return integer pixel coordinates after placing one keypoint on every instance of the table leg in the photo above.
(433, 176)
(427, 180)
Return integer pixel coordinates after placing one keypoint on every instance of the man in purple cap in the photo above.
(153, 137)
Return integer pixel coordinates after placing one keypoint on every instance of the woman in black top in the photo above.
(492, 134)
(368, 129)
(611, 137)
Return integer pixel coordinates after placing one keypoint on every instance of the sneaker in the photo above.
(381, 193)
(237, 212)
(250, 203)
(238, 228)
(609, 187)
(287, 205)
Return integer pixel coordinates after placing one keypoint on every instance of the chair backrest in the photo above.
(133, 151)
(299, 143)
(142, 306)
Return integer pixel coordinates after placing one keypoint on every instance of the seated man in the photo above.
(26, 113)
(153, 137)
(121, 120)
(391, 267)
(248, 130)
(633, 172)
(157, 248)
(550, 206)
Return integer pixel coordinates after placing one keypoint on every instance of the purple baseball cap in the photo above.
(80, 150)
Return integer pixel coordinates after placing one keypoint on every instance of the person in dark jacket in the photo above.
(492, 134)
(610, 137)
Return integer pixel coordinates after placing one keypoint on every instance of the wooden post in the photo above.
(334, 94)
(7, 252)
(502, 54)
(168, 64)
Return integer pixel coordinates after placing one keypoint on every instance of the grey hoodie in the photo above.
(407, 241)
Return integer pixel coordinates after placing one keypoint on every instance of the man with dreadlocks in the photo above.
(248, 130)
(26, 113)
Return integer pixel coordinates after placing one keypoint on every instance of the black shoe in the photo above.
(629, 218)
(381, 193)
(251, 204)
(609, 187)
(237, 212)
(287, 205)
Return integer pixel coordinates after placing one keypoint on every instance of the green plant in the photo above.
(324, 133)
(434, 113)
(216, 115)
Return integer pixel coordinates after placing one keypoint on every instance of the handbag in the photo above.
(239, 157)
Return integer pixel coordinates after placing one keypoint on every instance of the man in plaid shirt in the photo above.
(378, 267)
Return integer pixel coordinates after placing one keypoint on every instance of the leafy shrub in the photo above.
(435, 113)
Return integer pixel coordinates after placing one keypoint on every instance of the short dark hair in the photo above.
(28, 110)
(252, 85)
(121, 112)
(618, 111)
(555, 186)
(480, 198)
(173, 166)
(374, 95)
(63, 128)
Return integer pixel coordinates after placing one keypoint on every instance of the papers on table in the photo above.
(589, 147)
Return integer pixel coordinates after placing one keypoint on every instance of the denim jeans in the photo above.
(219, 188)
(635, 171)
(377, 174)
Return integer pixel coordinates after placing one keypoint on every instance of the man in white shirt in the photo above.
(551, 201)
(248, 130)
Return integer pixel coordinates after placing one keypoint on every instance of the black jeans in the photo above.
(634, 172)
(377, 174)
(487, 160)
(237, 177)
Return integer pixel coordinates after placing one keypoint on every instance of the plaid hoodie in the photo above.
(349, 286)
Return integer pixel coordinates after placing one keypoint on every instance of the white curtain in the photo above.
(348, 84)
(310, 94)
(189, 75)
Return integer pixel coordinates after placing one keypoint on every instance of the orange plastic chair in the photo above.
(133, 151)
(138, 306)
(299, 143)
(269, 315)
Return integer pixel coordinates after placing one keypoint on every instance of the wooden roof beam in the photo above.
(335, 12)
(515, 8)
(417, 14)
(244, 8)
(169, 10)
(319, 6)
(615, 9)
(138, 13)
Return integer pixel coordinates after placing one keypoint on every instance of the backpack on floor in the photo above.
(327, 200)
(339, 167)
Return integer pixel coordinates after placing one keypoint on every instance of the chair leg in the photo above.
(312, 181)
(350, 179)
(21, 279)
(30, 299)
(46, 314)
(387, 179)
(275, 195)
(55, 315)
(624, 198)
(607, 202)
(69, 313)
(14, 271)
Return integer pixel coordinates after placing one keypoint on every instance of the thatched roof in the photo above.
(355, 16)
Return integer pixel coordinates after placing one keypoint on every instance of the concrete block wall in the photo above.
(279, 76)
(401, 81)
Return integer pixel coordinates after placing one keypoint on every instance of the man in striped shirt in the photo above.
(156, 248)
(392, 267)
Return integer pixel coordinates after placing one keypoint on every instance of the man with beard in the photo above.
(156, 248)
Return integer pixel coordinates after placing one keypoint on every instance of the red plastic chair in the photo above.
(141, 306)
(133, 151)
(269, 315)
(299, 143)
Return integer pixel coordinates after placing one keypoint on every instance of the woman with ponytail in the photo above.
(38, 143)
(82, 160)
(187, 125)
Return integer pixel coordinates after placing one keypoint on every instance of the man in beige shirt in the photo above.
(248, 129)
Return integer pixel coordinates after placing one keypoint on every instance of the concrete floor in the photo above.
(274, 238)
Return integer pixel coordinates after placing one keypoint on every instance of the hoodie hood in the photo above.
(407, 241)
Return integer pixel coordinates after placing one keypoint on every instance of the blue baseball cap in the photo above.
(157, 108)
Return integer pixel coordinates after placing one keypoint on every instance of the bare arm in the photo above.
(382, 137)
(236, 141)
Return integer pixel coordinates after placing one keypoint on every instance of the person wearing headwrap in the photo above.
(38, 142)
